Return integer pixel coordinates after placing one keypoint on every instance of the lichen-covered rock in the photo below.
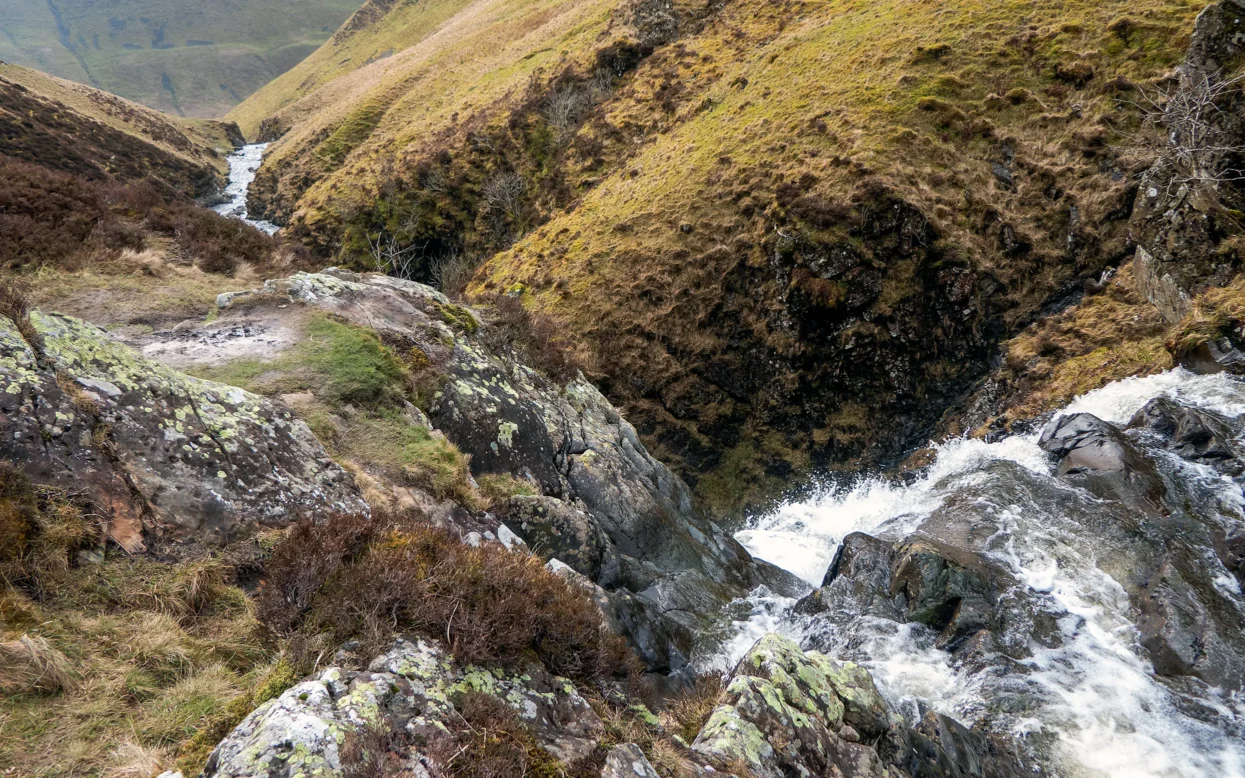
(789, 712)
(784, 711)
(627, 761)
(325, 726)
(160, 454)
(605, 506)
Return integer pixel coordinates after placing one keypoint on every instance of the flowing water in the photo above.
(1092, 705)
(242, 166)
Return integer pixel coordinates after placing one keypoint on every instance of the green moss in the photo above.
(458, 317)
(355, 366)
(424, 458)
(341, 363)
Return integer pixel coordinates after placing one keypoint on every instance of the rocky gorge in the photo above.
(321, 521)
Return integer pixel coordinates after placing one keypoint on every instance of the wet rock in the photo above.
(1188, 628)
(330, 725)
(163, 456)
(858, 580)
(789, 712)
(1220, 355)
(1097, 456)
(627, 761)
(1193, 434)
(948, 589)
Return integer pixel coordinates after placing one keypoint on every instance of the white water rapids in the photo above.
(242, 166)
(1100, 702)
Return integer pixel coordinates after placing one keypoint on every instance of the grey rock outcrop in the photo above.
(403, 704)
(604, 505)
(627, 761)
(161, 455)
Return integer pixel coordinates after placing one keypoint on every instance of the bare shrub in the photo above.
(503, 192)
(392, 258)
(489, 604)
(1183, 128)
(31, 664)
(452, 272)
(563, 109)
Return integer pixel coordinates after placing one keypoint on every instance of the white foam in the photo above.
(1111, 716)
(243, 164)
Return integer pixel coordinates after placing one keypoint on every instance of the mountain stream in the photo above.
(1085, 698)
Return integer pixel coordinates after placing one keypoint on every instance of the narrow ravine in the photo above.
(1087, 698)
(242, 166)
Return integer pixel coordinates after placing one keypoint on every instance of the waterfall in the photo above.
(1087, 700)
(242, 166)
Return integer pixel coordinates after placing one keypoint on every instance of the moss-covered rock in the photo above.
(791, 712)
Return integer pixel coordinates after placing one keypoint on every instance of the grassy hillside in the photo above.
(182, 57)
(201, 142)
(786, 234)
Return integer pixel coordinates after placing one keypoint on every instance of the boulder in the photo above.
(1193, 434)
(788, 712)
(1097, 456)
(403, 704)
(627, 761)
(164, 457)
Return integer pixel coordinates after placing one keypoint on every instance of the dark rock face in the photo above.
(1192, 434)
(1181, 215)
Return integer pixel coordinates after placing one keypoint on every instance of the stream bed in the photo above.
(242, 166)
(1082, 694)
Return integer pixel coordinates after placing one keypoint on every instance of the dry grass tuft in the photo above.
(131, 760)
(31, 664)
(691, 708)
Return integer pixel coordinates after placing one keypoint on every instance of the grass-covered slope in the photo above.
(183, 57)
(788, 233)
(198, 142)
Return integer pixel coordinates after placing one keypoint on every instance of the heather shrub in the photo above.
(350, 577)
(55, 218)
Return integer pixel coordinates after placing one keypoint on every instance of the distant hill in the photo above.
(184, 57)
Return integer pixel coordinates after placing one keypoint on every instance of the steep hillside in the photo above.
(199, 142)
(786, 235)
(186, 58)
